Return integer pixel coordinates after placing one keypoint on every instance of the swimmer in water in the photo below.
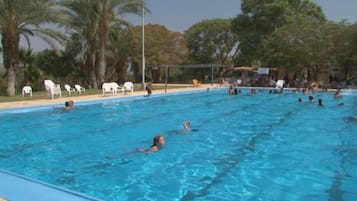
(186, 126)
(158, 143)
(68, 105)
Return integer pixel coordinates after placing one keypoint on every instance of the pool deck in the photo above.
(14, 187)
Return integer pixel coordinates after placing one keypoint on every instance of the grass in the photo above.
(43, 95)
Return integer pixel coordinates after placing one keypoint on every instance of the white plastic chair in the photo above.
(128, 86)
(26, 90)
(79, 89)
(110, 87)
(279, 84)
(52, 88)
(69, 89)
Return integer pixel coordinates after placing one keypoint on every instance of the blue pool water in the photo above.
(261, 147)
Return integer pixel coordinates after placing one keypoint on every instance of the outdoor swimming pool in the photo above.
(261, 147)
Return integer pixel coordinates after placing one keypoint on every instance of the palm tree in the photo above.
(109, 13)
(24, 17)
(83, 26)
(92, 21)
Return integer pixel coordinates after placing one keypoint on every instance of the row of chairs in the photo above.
(54, 89)
(77, 88)
(113, 88)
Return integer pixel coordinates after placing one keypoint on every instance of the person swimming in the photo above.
(158, 143)
(68, 105)
(186, 126)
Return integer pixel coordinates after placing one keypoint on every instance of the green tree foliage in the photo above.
(59, 66)
(345, 51)
(83, 27)
(211, 42)
(162, 47)
(308, 48)
(24, 17)
(93, 21)
(29, 73)
(261, 18)
(120, 49)
(109, 13)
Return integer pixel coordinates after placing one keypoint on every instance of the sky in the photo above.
(179, 15)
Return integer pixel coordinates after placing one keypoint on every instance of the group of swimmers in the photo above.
(311, 100)
(159, 141)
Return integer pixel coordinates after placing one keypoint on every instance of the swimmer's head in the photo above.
(186, 124)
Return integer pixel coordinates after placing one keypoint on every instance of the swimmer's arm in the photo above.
(149, 150)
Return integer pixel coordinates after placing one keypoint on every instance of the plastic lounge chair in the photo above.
(52, 88)
(79, 89)
(110, 87)
(26, 90)
(69, 89)
(279, 84)
(128, 86)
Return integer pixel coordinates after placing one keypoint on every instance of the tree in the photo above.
(83, 28)
(309, 46)
(345, 51)
(29, 73)
(162, 47)
(261, 18)
(212, 42)
(92, 22)
(24, 17)
(109, 13)
(57, 65)
(120, 50)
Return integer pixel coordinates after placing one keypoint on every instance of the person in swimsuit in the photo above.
(158, 143)
(148, 89)
(186, 126)
(68, 105)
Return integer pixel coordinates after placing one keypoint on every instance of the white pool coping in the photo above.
(15, 187)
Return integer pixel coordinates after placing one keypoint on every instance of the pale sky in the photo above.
(179, 15)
